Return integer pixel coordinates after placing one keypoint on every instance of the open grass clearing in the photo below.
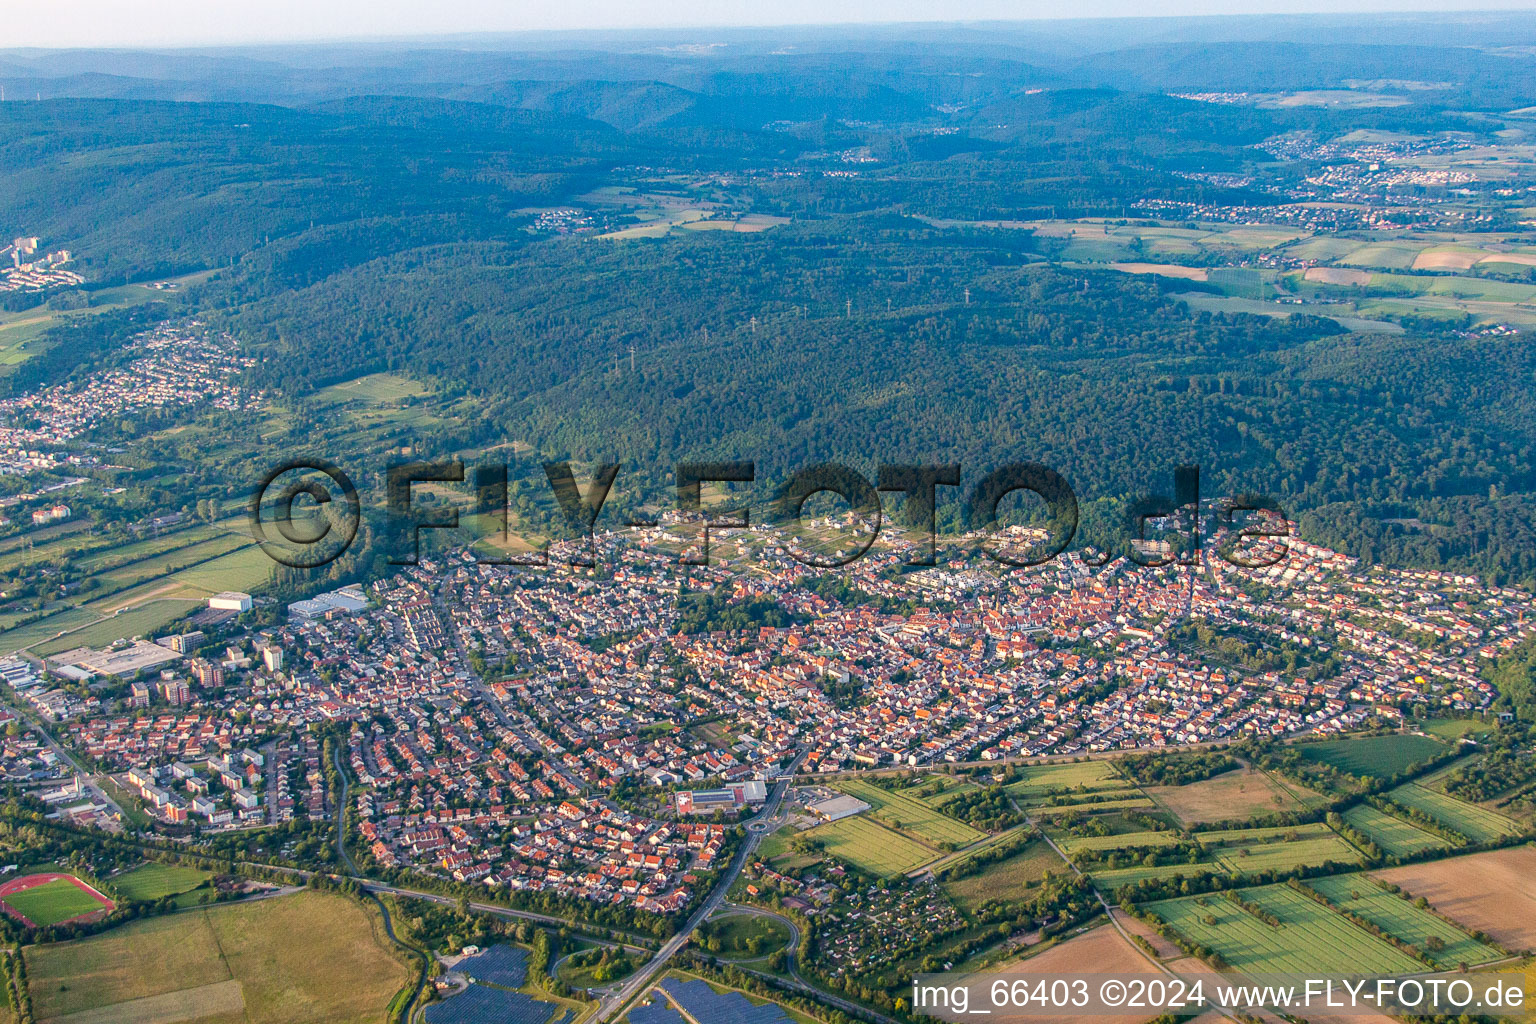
(1445, 944)
(1234, 795)
(219, 1003)
(1007, 879)
(741, 936)
(871, 846)
(912, 816)
(1476, 823)
(152, 881)
(1065, 776)
(309, 958)
(1311, 938)
(373, 389)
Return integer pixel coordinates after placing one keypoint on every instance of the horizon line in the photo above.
(1367, 11)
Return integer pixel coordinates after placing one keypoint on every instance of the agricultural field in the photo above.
(140, 586)
(1488, 892)
(1231, 796)
(1434, 779)
(871, 846)
(1397, 837)
(1394, 255)
(1243, 851)
(1310, 938)
(141, 620)
(1399, 918)
(309, 958)
(152, 881)
(911, 815)
(1112, 879)
(1118, 800)
(1354, 316)
(936, 790)
(374, 389)
(1485, 289)
(1086, 786)
(1128, 840)
(1100, 950)
(1163, 270)
(1065, 776)
(1094, 240)
(1476, 823)
(1373, 756)
(1005, 879)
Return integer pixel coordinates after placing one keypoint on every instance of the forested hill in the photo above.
(1098, 374)
(154, 188)
(145, 188)
(865, 311)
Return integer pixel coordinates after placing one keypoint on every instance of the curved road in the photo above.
(23, 714)
(794, 980)
(346, 859)
(636, 983)
(1109, 912)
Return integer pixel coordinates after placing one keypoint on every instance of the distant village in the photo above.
(176, 366)
(23, 269)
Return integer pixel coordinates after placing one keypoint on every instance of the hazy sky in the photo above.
(168, 22)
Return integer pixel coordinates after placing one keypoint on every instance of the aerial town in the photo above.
(546, 729)
(669, 769)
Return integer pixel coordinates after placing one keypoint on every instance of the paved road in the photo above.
(445, 618)
(346, 859)
(794, 980)
(636, 983)
(1003, 762)
(270, 752)
(1109, 912)
(64, 755)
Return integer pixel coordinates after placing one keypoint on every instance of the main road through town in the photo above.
(636, 982)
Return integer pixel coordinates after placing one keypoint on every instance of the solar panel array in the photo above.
(506, 966)
(657, 1013)
(704, 1004)
(479, 1004)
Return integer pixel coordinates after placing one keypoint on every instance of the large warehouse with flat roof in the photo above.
(838, 807)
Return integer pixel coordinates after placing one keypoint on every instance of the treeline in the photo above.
(984, 858)
(1176, 769)
(987, 808)
(1488, 534)
(711, 611)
